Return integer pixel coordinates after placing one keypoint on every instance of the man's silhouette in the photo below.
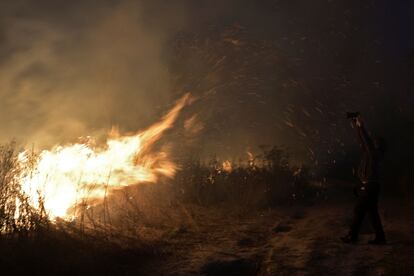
(368, 189)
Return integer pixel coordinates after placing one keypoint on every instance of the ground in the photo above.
(288, 240)
(291, 241)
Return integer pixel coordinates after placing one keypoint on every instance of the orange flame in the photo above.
(67, 175)
(227, 166)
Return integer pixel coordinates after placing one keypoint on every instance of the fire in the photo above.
(227, 166)
(68, 175)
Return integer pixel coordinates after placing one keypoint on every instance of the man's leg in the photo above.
(359, 214)
(376, 219)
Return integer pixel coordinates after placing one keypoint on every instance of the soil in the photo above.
(290, 241)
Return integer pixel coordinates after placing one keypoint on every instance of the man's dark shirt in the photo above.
(368, 170)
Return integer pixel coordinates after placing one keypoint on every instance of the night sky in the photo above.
(265, 72)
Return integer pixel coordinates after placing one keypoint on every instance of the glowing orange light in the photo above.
(67, 175)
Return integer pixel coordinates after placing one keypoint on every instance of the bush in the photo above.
(265, 180)
(17, 216)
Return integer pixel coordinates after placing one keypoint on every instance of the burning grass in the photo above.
(92, 204)
(68, 175)
(135, 229)
(264, 181)
(17, 214)
(96, 187)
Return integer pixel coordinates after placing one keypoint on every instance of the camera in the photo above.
(352, 115)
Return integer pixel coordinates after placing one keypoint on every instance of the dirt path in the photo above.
(289, 241)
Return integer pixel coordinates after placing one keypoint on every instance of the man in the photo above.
(368, 189)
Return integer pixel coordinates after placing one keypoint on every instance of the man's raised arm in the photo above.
(363, 135)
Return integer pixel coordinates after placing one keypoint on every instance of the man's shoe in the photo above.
(377, 241)
(348, 239)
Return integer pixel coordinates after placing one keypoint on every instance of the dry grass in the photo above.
(17, 216)
(128, 230)
(266, 181)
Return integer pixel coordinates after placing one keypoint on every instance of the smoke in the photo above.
(69, 70)
(273, 72)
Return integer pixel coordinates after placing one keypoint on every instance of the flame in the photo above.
(68, 175)
(251, 159)
(250, 155)
(227, 166)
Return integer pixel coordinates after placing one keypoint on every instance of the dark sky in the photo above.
(266, 72)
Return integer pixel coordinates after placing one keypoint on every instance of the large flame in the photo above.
(68, 175)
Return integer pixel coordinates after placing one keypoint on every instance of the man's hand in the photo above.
(357, 122)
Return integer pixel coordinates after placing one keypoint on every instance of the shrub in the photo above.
(263, 181)
(17, 216)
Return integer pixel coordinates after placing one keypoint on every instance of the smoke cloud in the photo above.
(273, 72)
(69, 70)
